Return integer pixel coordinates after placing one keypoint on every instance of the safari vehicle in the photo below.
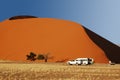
(81, 61)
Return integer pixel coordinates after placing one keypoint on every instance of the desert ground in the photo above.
(57, 71)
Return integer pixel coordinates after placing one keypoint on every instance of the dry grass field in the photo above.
(58, 71)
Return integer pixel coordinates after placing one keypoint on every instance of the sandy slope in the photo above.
(62, 39)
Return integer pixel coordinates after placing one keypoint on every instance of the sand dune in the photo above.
(62, 39)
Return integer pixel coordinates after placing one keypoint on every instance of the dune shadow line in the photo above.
(111, 50)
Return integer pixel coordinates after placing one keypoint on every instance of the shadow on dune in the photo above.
(112, 51)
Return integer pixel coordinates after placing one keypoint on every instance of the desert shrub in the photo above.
(31, 56)
(44, 57)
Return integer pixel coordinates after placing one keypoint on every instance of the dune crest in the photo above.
(21, 17)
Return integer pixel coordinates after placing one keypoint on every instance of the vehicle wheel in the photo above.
(84, 64)
(69, 64)
(79, 64)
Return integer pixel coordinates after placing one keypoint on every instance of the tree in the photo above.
(31, 56)
(44, 57)
(40, 57)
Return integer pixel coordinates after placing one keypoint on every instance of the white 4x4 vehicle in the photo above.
(80, 61)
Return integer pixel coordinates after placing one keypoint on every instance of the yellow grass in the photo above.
(58, 71)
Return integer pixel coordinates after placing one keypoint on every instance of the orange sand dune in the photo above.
(62, 39)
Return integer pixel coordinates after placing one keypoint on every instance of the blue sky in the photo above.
(100, 16)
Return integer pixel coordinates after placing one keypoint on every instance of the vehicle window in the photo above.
(89, 59)
(84, 60)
